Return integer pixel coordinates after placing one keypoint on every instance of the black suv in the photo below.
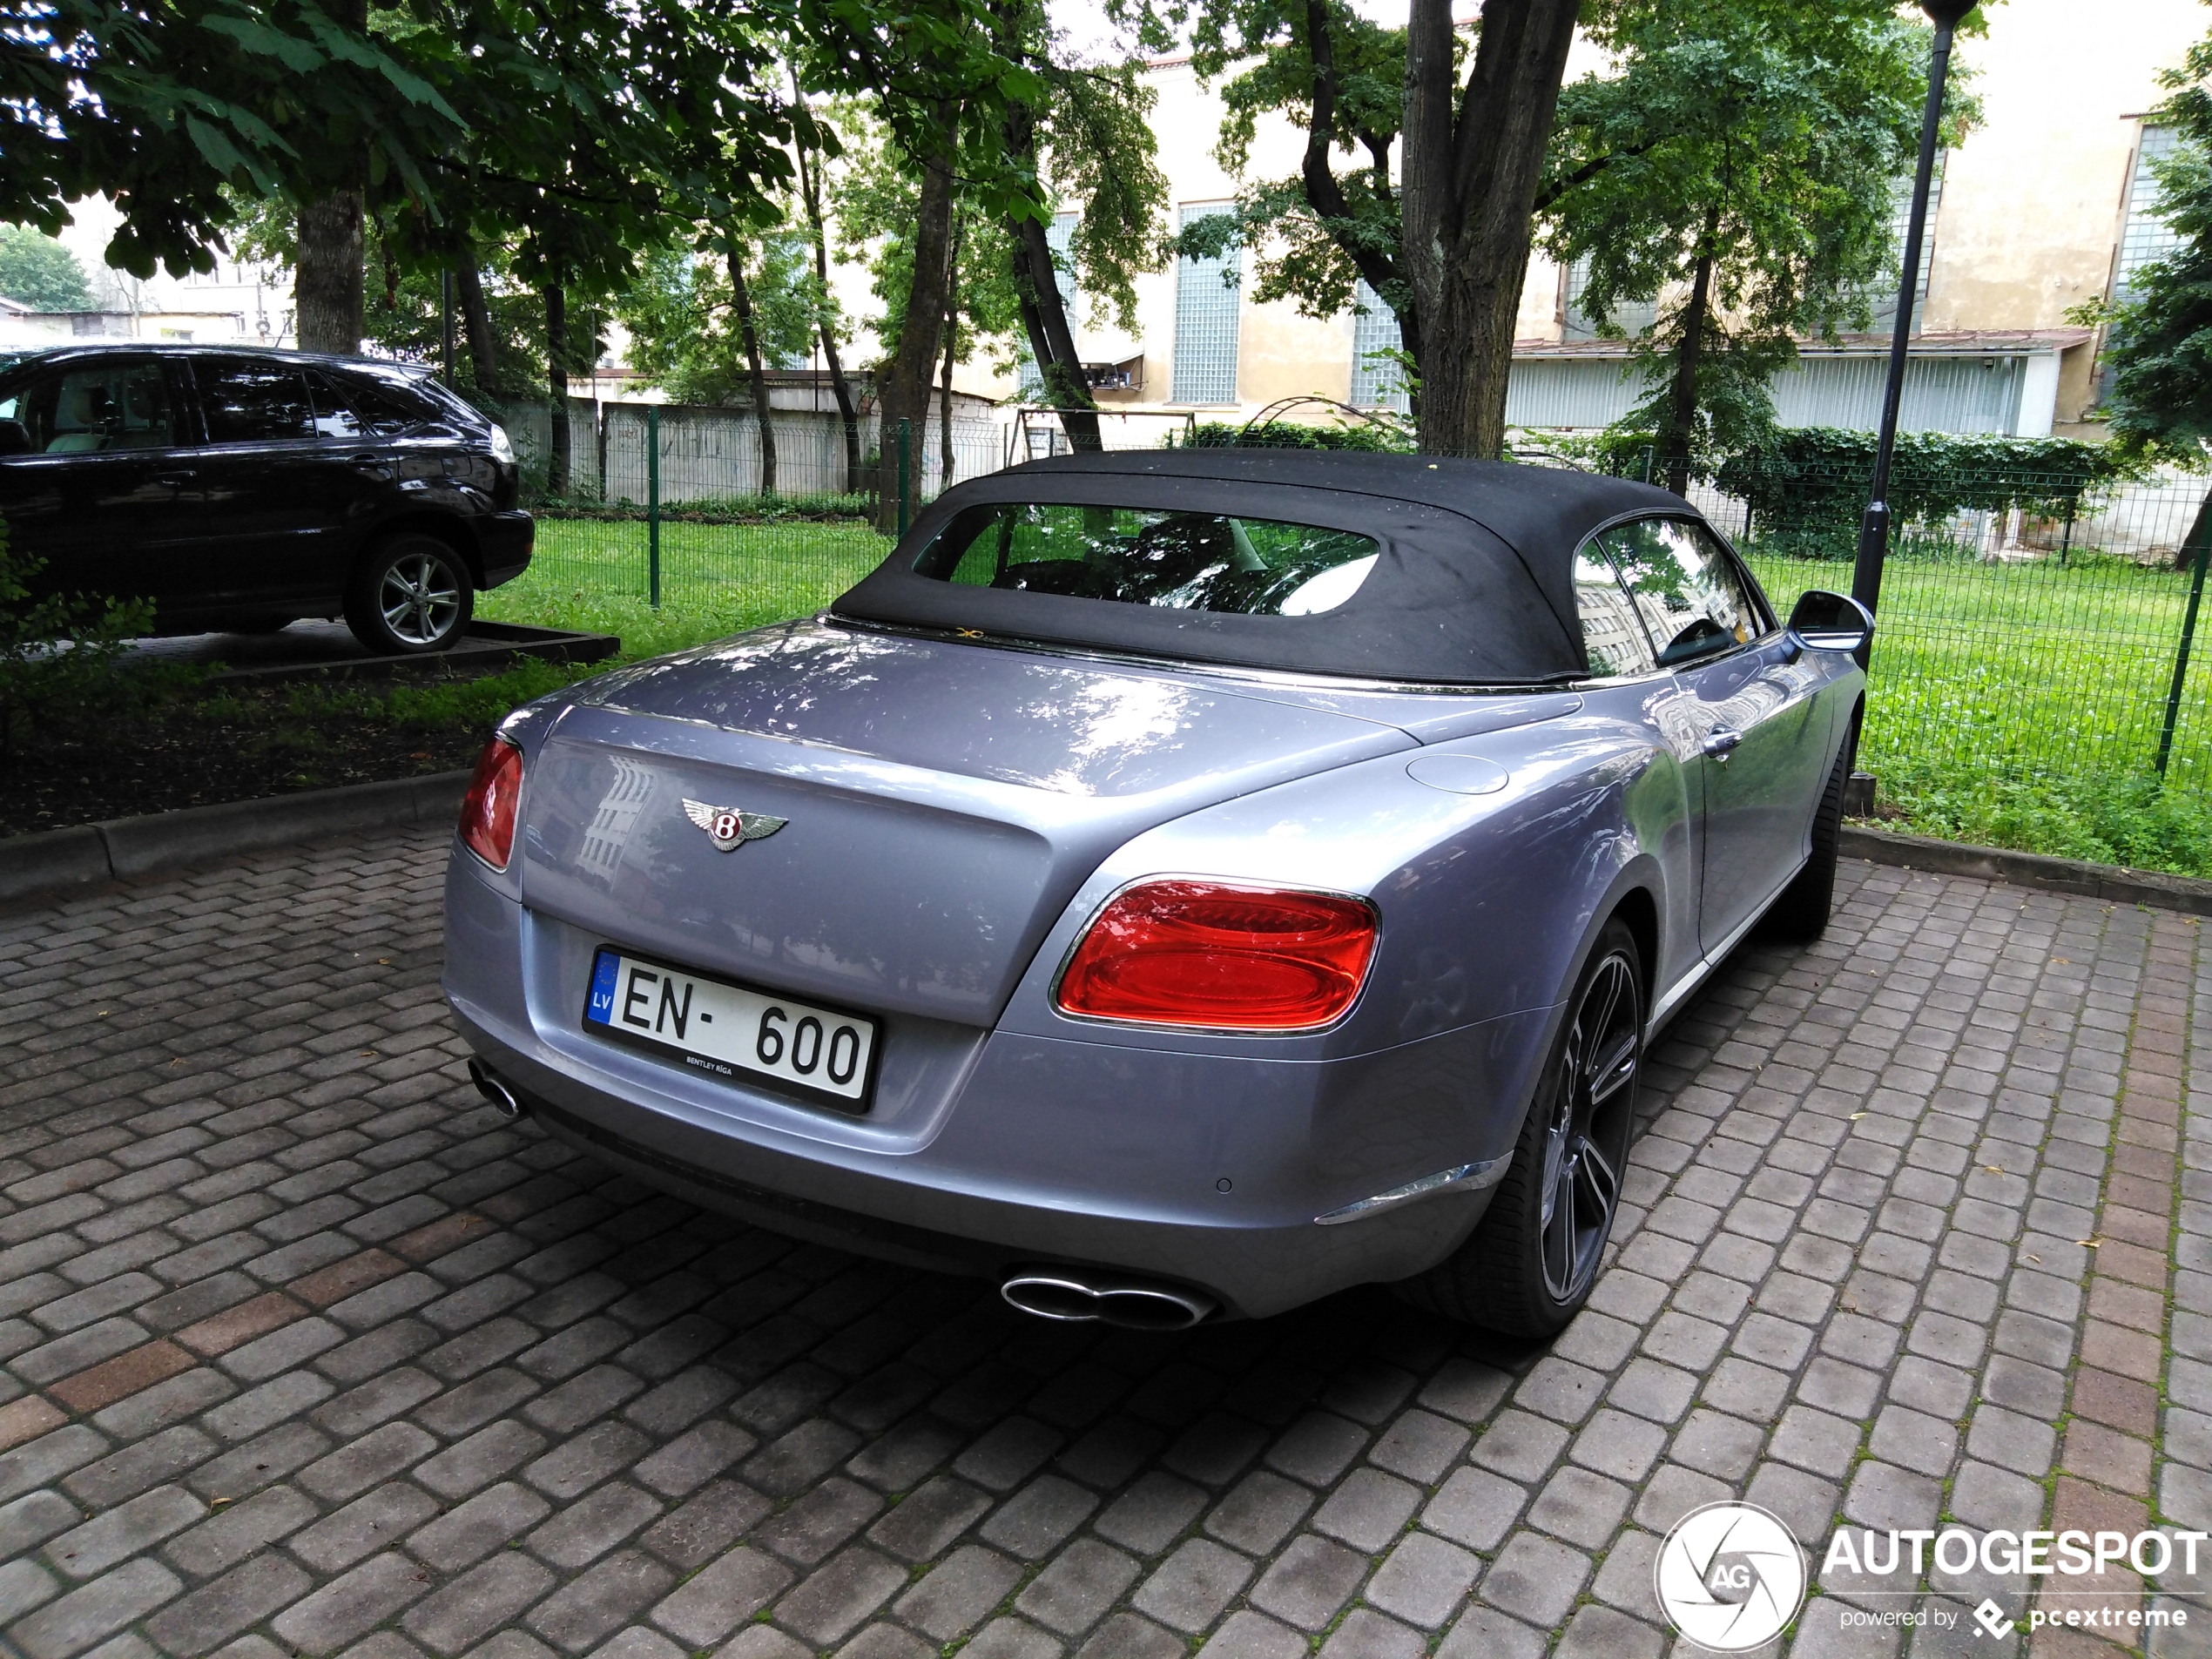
(245, 489)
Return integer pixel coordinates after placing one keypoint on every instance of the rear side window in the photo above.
(1693, 602)
(1183, 561)
(94, 408)
(1613, 634)
(253, 402)
(334, 417)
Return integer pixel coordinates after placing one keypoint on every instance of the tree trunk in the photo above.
(1036, 284)
(556, 375)
(810, 192)
(1044, 318)
(903, 392)
(1682, 405)
(1469, 189)
(475, 322)
(327, 286)
(952, 349)
(742, 299)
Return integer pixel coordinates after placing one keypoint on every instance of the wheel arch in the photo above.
(1636, 906)
(443, 527)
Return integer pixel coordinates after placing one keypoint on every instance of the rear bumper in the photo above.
(1009, 1150)
(503, 541)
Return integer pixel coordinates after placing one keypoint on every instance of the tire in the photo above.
(1528, 1267)
(1801, 910)
(410, 594)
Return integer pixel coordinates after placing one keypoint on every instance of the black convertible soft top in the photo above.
(1474, 584)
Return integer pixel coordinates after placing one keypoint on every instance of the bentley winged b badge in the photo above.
(727, 828)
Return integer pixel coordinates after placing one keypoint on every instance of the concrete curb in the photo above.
(57, 861)
(2107, 882)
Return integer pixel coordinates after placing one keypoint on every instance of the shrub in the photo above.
(62, 652)
(1814, 479)
(1294, 435)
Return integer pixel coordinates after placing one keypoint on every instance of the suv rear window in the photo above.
(354, 406)
(253, 402)
(1180, 560)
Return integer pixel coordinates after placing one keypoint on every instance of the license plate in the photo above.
(729, 1031)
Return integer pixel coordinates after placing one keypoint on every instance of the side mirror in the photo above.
(1823, 621)
(14, 440)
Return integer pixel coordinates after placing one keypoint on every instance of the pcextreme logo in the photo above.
(1729, 1576)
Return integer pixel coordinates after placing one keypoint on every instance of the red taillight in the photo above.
(488, 814)
(1226, 958)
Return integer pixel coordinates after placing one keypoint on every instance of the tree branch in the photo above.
(1322, 192)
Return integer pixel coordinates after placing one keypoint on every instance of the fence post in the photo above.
(906, 439)
(652, 503)
(2182, 656)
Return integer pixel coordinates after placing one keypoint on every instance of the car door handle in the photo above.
(176, 480)
(1720, 741)
(369, 458)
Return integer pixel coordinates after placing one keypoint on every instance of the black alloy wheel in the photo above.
(1586, 1143)
(410, 594)
(1529, 1266)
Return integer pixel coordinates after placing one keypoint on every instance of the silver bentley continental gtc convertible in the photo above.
(1176, 884)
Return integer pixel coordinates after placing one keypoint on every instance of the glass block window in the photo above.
(1377, 382)
(1631, 316)
(1060, 237)
(1205, 323)
(1883, 293)
(2145, 236)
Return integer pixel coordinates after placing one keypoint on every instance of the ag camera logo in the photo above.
(1729, 1576)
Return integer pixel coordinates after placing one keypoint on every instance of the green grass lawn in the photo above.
(716, 579)
(2019, 705)
(2013, 704)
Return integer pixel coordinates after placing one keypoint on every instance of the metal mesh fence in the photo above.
(683, 522)
(2020, 641)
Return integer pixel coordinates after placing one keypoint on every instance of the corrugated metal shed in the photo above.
(1966, 383)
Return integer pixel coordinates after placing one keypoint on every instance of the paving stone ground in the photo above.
(308, 1353)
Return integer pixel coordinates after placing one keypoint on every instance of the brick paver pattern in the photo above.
(309, 1352)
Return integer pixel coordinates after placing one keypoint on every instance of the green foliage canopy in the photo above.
(684, 332)
(2159, 345)
(38, 271)
(1758, 143)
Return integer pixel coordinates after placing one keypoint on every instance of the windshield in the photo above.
(1183, 561)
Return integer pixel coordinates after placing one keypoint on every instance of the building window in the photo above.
(1207, 296)
(2145, 236)
(1882, 293)
(1631, 317)
(1377, 382)
(1060, 237)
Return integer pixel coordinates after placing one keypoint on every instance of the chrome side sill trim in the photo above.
(1465, 1177)
(1677, 993)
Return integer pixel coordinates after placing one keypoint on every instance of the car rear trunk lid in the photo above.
(941, 802)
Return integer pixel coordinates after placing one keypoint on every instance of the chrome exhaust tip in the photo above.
(1074, 1297)
(503, 1099)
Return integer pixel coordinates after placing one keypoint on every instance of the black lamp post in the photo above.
(1874, 529)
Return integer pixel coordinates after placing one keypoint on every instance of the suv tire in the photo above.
(410, 594)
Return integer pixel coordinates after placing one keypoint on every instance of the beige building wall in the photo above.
(2031, 199)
